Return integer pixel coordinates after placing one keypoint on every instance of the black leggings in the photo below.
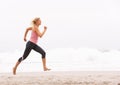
(29, 46)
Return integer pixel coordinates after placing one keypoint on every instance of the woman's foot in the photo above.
(47, 69)
(15, 68)
(14, 71)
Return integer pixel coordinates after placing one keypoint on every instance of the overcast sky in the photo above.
(71, 23)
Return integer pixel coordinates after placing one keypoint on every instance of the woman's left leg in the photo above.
(26, 53)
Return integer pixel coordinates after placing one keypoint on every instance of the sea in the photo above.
(63, 59)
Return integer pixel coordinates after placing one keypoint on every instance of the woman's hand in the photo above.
(45, 28)
(25, 39)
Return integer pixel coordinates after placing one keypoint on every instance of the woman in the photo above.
(32, 44)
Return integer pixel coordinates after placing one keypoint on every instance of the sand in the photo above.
(62, 78)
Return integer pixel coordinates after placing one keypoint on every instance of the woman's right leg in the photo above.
(43, 53)
(26, 53)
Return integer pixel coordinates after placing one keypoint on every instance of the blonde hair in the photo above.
(35, 20)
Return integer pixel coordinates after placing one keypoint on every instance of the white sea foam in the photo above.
(62, 59)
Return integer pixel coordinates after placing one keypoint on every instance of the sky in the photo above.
(70, 23)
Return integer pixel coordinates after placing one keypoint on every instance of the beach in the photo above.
(61, 78)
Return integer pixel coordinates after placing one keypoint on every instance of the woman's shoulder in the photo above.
(34, 28)
(29, 28)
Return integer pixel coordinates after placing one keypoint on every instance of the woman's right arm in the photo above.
(30, 28)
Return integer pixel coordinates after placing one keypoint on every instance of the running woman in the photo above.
(32, 44)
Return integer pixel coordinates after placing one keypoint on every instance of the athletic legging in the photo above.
(29, 46)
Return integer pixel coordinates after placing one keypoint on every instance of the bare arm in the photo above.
(40, 34)
(28, 29)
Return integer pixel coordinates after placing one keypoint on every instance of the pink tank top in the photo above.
(34, 37)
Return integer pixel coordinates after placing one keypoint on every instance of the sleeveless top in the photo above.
(34, 37)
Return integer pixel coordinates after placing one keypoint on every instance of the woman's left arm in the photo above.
(40, 34)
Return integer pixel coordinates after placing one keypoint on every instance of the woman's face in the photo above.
(38, 22)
